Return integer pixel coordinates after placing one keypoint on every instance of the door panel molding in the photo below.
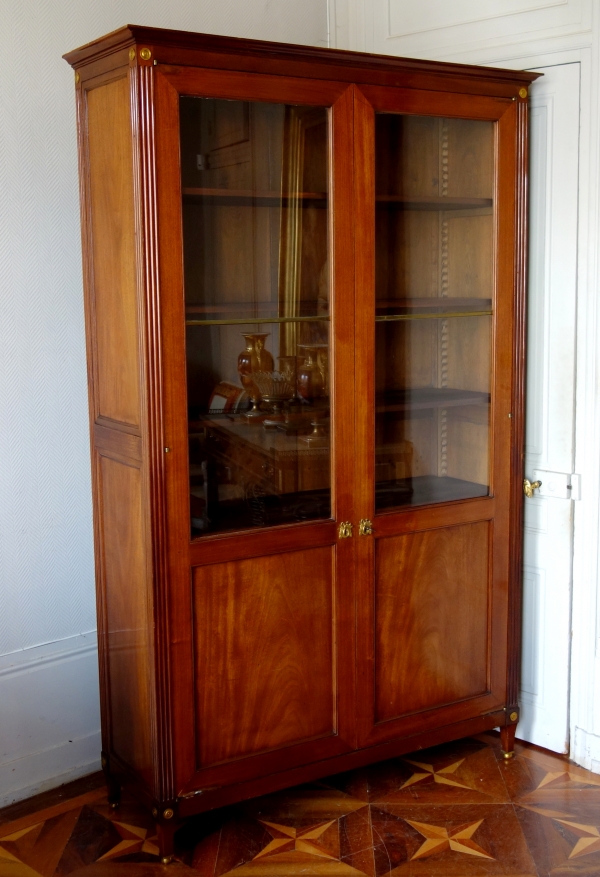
(440, 30)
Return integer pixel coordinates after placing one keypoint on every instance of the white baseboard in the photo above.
(586, 750)
(38, 771)
(49, 716)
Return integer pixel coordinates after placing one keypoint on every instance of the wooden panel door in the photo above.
(256, 268)
(550, 433)
(436, 311)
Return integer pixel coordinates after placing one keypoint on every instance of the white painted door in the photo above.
(550, 406)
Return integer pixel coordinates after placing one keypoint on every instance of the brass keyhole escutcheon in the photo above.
(345, 530)
(365, 527)
(530, 486)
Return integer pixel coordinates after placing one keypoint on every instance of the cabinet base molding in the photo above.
(199, 801)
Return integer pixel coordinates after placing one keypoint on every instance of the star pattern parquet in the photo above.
(457, 810)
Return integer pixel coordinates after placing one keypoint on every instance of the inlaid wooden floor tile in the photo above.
(465, 772)
(449, 840)
(457, 810)
(35, 817)
(40, 847)
(562, 829)
(134, 869)
(84, 789)
(356, 841)
(533, 773)
(314, 802)
(298, 837)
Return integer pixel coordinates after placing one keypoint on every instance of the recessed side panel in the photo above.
(431, 619)
(263, 631)
(111, 213)
(125, 640)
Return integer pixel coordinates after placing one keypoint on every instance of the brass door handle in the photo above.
(530, 486)
(365, 527)
(345, 530)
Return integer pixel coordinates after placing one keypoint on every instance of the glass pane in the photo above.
(255, 227)
(434, 287)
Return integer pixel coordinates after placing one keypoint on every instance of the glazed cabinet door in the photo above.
(435, 341)
(254, 183)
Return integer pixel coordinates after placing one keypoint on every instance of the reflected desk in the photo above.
(254, 476)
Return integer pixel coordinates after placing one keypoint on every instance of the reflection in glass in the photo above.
(255, 228)
(434, 295)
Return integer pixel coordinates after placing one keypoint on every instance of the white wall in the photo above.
(49, 720)
(531, 34)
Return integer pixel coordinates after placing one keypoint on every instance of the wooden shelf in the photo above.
(267, 308)
(415, 202)
(410, 304)
(431, 308)
(228, 313)
(253, 321)
(423, 490)
(407, 401)
(290, 508)
(432, 202)
(234, 307)
(232, 313)
(253, 198)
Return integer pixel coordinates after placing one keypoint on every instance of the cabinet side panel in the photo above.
(432, 609)
(110, 150)
(127, 635)
(264, 654)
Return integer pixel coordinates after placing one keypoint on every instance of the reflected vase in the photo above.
(255, 358)
(311, 378)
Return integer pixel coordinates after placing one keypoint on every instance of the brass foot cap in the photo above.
(166, 860)
(508, 755)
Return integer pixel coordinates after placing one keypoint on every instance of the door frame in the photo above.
(503, 508)
(184, 555)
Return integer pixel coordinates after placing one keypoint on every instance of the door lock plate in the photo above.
(559, 485)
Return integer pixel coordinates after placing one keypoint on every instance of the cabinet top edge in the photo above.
(216, 44)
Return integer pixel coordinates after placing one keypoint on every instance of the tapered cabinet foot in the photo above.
(166, 841)
(112, 784)
(507, 738)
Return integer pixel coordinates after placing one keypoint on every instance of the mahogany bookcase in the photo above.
(304, 282)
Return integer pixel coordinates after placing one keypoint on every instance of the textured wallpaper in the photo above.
(46, 557)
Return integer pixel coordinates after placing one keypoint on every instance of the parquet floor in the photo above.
(457, 810)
